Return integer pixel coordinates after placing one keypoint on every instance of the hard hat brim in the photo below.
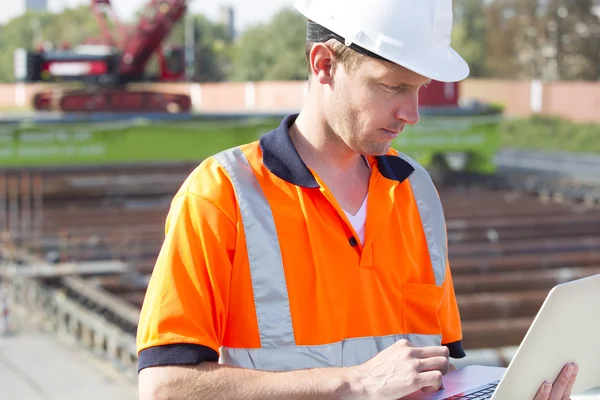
(444, 66)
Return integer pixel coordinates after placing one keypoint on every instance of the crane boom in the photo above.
(100, 9)
(154, 26)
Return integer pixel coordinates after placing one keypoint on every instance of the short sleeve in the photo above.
(185, 307)
(450, 318)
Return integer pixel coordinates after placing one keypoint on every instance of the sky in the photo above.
(246, 12)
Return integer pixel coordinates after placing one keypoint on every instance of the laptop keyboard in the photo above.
(479, 393)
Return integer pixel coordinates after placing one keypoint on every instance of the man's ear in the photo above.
(322, 63)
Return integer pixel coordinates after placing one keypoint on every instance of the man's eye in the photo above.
(393, 89)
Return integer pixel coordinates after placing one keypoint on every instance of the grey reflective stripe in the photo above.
(264, 255)
(432, 218)
(346, 353)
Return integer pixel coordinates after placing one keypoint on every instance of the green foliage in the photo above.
(212, 48)
(550, 133)
(468, 34)
(32, 29)
(73, 26)
(274, 51)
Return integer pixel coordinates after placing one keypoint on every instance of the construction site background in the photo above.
(575, 101)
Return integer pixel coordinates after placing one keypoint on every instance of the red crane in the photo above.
(107, 69)
(105, 15)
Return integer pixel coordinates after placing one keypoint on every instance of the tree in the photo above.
(494, 43)
(273, 51)
(469, 33)
(577, 39)
(544, 39)
(211, 48)
(31, 30)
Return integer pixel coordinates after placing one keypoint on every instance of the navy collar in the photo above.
(282, 159)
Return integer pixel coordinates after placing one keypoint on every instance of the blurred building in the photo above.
(227, 19)
(35, 5)
(20, 7)
(15, 8)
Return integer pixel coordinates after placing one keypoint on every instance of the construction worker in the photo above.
(312, 264)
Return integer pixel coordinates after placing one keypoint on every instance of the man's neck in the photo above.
(343, 171)
(319, 148)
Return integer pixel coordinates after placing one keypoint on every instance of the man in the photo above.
(312, 264)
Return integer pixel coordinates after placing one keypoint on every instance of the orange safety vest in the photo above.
(279, 350)
(261, 267)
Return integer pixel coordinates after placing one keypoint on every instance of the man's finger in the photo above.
(569, 389)
(543, 392)
(562, 382)
(432, 380)
(433, 364)
(431, 351)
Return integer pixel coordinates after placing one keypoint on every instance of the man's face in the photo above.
(369, 106)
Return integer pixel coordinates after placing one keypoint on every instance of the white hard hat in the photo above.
(412, 33)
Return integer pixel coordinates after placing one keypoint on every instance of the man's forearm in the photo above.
(216, 382)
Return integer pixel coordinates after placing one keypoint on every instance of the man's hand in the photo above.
(402, 369)
(561, 389)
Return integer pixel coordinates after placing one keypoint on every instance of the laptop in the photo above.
(566, 329)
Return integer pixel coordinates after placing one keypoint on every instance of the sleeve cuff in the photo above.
(175, 354)
(194, 354)
(456, 349)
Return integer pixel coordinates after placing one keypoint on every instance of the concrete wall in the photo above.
(513, 95)
(577, 101)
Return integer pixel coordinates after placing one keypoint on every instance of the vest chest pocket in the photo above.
(420, 306)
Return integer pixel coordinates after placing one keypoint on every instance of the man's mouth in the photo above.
(394, 132)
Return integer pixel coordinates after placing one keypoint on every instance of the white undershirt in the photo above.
(358, 220)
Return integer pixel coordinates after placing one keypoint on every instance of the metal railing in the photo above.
(77, 312)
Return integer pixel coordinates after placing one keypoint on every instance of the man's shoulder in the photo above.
(210, 177)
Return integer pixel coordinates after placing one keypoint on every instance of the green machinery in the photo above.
(437, 140)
